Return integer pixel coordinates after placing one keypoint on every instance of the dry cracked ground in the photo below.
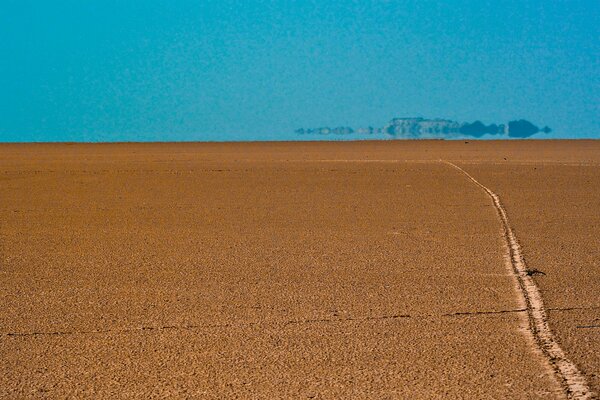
(293, 270)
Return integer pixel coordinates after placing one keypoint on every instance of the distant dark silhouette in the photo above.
(522, 128)
(478, 129)
(419, 127)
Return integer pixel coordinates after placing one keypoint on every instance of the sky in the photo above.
(256, 70)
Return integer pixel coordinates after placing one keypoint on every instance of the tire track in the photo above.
(571, 379)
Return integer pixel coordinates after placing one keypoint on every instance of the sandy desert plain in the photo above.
(396, 269)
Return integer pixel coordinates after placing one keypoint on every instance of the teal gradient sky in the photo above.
(253, 70)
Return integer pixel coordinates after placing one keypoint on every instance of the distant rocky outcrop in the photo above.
(342, 130)
(418, 127)
(478, 129)
(524, 128)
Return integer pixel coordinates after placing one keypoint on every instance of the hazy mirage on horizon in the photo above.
(423, 128)
(255, 70)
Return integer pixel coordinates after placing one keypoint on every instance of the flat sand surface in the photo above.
(293, 270)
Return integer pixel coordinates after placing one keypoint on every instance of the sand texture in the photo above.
(295, 270)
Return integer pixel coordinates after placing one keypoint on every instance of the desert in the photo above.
(365, 269)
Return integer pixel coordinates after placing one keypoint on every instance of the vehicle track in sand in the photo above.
(569, 376)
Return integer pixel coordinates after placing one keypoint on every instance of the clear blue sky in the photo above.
(225, 70)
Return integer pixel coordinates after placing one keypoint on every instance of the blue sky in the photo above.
(251, 70)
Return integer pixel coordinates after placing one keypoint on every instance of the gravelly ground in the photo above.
(315, 270)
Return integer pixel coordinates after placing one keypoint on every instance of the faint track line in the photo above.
(282, 323)
(466, 313)
(570, 377)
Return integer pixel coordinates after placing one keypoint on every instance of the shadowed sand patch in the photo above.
(572, 380)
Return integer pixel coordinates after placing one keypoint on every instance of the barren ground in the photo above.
(293, 270)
